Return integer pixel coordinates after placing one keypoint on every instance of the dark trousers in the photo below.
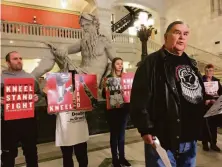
(117, 120)
(13, 132)
(210, 129)
(80, 152)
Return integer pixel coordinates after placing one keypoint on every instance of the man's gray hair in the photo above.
(173, 24)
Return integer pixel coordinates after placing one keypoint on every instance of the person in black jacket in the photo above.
(212, 123)
(167, 100)
(117, 117)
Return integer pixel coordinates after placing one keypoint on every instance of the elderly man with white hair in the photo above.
(167, 101)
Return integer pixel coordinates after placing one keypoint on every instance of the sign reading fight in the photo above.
(60, 92)
(114, 97)
(85, 94)
(126, 83)
(18, 98)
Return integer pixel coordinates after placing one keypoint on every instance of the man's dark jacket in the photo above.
(155, 103)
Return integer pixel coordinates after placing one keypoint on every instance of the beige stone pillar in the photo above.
(104, 16)
(163, 26)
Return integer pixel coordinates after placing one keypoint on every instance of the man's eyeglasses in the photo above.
(209, 70)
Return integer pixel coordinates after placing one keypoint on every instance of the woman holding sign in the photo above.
(213, 90)
(72, 131)
(117, 113)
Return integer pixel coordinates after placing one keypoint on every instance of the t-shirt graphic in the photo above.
(114, 95)
(190, 85)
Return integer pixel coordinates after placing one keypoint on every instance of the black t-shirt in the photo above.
(191, 97)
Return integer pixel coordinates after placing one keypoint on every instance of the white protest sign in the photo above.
(216, 109)
(162, 153)
(211, 88)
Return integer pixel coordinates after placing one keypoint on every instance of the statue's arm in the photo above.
(44, 66)
(109, 49)
(110, 53)
(74, 48)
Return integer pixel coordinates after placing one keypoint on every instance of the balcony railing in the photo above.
(39, 30)
(61, 32)
(69, 33)
(123, 38)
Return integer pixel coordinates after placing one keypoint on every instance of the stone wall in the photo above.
(205, 27)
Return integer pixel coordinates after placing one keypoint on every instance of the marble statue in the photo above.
(96, 50)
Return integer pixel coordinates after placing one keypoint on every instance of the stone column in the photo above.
(163, 26)
(104, 16)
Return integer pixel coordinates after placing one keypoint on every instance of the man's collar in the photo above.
(164, 55)
(168, 52)
(12, 72)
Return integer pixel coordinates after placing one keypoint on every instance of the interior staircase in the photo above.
(127, 21)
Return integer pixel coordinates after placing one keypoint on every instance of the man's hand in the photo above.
(36, 98)
(45, 89)
(60, 51)
(207, 102)
(2, 100)
(148, 139)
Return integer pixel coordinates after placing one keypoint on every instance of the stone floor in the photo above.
(134, 153)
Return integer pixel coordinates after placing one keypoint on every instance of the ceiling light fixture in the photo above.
(143, 28)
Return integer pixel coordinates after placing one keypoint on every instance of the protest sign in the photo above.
(126, 84)
(216, 109)
(60, 92)
(85, 94)
(18, 98)
(211, 88)
(114, 97)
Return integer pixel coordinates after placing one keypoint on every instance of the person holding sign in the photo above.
(72, 133)
(213, 90)
(117, 114)
(19, 130)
